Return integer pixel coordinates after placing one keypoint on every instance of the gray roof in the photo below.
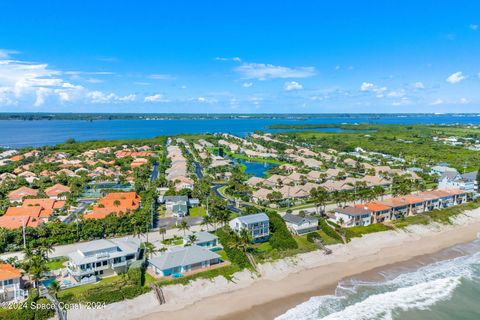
(96, 250)
(175, 198)
(203, 236)
(450, 175)
(182, 256)
(298, 220)
(352, 211)
(470, 176)
(253, 218)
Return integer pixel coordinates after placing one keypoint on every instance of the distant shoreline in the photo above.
(32, 116)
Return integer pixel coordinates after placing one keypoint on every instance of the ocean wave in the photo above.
(417, 289)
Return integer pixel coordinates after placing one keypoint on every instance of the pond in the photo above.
(254, 168)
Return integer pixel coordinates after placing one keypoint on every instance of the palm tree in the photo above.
(207, 221)
(116, 203)
(35, 265)
(54, 288)
(242, 241)
(162, 232)
(184, 226)
(149, 249)
(192, 239)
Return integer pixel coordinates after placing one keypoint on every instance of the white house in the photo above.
(103, 257)
(300, 225)
(454, 180)
(353, 216)
(180, 260)
(257, 224)
(11, 284)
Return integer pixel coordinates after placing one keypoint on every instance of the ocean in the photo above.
(445, 287)
(16, 133)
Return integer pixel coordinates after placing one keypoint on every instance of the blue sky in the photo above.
(240, 56)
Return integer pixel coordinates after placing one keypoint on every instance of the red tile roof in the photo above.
(57, 189)
(14, 222)
(20, 193)
(127, 202)
(7, 272)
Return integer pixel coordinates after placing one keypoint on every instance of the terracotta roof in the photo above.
(32, 211)
(7, 272)
(16, 158)
(22, 192)
(56, 190)
(128, 201)
(48, 205)
(14, 222)
(373, 206)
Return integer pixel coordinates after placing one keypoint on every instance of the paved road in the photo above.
(153, 236)
(230, 203)
(154, 174)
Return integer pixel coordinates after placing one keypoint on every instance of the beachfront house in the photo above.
(353, 216)
(180, 260)
(300, 225)
(203, 239)
(100, 258)
(11, 286)
(454, 180)
(257, 224)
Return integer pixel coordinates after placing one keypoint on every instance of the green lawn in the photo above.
(359, 231)
(56, 263)
(197, 212)
(327, 240)
(76, 291)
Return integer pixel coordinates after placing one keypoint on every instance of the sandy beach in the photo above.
(286, 283)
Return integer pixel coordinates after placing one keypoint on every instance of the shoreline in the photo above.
(286, 283)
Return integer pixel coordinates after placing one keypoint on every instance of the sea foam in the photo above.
(418, 289)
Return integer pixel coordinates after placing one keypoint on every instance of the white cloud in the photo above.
(366, 86)
(474, 27)
(236, 59)
(161, 77)
(292, 85)
(156, 98)
(206, 100)
(103, 98)
(247, 84)
(464, 101)
(263, 71)
(379, 91)
(437, 102)
(419, 85)
(455, 77)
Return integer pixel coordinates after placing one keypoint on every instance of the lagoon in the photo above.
(17, 133)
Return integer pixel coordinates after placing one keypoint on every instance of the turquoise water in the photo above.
(50, 132)
(447, 289)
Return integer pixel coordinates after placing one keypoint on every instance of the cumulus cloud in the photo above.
(156, 98)
(366, 86)
(370, 87)
(464, 101)
(455, 77)
(37, 84)
(263, 71)
(292, 85)
(474, 27)
(247, 84)
(104, 98)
